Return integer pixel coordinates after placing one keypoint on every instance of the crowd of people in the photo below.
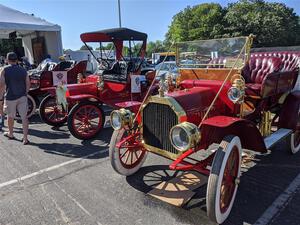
(14, 86)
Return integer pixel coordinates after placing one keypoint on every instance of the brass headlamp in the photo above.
(237, 91)
(121, 118)
(184, 136)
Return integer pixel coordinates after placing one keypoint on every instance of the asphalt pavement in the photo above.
(61, 180)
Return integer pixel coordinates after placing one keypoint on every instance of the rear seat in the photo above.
(290, 59)
(271, 72)
(257, 71)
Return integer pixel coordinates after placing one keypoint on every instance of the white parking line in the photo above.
(16, 180)
(280, 203)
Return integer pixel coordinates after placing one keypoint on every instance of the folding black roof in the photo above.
(115, 33)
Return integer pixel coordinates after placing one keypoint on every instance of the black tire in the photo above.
(216, 211)
(71, 120)
(43, 114)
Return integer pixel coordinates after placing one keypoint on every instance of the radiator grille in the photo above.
(158, 119)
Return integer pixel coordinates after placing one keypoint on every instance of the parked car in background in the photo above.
(116, 82)
(168, 67)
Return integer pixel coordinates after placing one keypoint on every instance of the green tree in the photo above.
(202, 21)
(274, 24)
(84, 47)
(157, 46)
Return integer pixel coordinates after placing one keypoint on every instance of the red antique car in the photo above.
(42, 77)
(122, 52)
(225, 97)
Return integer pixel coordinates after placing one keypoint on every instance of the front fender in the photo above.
(214, 129)
(288, 117)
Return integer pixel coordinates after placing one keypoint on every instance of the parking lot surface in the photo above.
(61, 180)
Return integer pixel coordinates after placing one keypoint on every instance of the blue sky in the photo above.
(77, 16)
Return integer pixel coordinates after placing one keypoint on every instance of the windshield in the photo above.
(216, 53)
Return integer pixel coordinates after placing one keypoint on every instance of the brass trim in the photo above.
(174, 105)
(162, 152)
(192, 132)
(266, 123)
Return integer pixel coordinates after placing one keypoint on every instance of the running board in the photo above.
(276, 136)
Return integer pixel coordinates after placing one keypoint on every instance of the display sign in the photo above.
(136, 83)
(59, 77)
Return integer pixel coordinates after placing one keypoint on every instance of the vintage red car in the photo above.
(43, 76)
(122, 52)
(225, 97)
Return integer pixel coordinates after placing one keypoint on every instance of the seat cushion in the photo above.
(253, 89)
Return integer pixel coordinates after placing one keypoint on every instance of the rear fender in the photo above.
(289, 113)
(214, 129)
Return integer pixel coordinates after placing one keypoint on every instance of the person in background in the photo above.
(15, 81)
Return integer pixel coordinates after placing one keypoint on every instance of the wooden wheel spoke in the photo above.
(124, 154)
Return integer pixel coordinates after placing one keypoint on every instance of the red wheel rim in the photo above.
(53, 112)
(131, 157)
(87, 120)
(228, 183)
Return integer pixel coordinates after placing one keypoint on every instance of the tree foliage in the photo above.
(157, 46)
(84, 47)
(274, 24)
(199, 22)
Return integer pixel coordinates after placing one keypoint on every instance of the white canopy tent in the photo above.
(39, 37)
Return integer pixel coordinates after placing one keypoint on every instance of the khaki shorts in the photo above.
(20, 104)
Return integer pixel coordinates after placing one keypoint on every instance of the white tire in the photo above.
(295, 138)
(221, 190)
(123, 161)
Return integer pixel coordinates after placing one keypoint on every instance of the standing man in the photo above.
(17, 84)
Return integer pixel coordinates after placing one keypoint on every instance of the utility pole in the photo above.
(119, 6)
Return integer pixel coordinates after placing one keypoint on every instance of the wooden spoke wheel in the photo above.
(128, 158)
(86, 120)
(31, 108)
(52, 113)
(224, 179)
(295, 138)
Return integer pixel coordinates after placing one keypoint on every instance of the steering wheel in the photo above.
(104, 64)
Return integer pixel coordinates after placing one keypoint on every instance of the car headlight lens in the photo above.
(121, 118)
(237, 91)
(184, 136)
(115, 120)
(234, 94)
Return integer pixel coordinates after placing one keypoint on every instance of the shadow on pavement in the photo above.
(259, 187)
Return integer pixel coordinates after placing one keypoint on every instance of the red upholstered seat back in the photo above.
(259, 67)
(290, 59)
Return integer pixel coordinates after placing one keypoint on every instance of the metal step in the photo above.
(276, 136)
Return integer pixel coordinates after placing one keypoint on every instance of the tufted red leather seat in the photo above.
(257, 71)
(290, 59)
